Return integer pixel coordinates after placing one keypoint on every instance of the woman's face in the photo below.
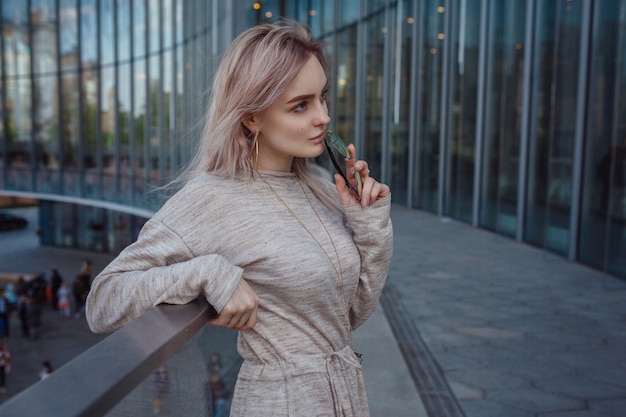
(294, 125)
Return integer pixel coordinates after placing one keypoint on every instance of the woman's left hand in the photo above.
(372, 190)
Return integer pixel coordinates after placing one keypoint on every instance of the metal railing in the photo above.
(94, 382)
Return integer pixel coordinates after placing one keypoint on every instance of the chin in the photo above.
(317, 151)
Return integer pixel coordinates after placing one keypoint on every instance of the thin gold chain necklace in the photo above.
(338, 269)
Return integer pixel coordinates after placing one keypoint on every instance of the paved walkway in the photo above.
(470, 324)
(512, 331)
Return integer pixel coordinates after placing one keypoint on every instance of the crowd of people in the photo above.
(25, 301)
(29, 295)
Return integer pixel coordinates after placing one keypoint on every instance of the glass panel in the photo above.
(503, 124)
(345, 83)
(430, 73)
(139, 105)
(372, 133)
(108, 98)
(402, 84)
(462, 142)
(603, 221)
(373, 6)
(91, 228)
(327, 18)
(45, 95)
(17, 106)
(124, 100)
(168, 151)
(89, 91)
(348, 12)
(552, 139)
(70, 91)
(155, 127)
(269, 11)
(317, 15)
(178, 88)
(57, 224)
(198, 380)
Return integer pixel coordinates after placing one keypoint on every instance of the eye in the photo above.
(324, 96)
(300, 107)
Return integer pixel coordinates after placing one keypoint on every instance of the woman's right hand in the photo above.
(240, 312)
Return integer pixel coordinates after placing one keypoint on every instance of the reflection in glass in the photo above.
(402, 83)
(345, 84)
(69, 99)
(430, 71)
(198, 380)
(17, 105)
(603, 225)
(108, 99)
(371, 149)
(45, 159)
(503, 124)
(552, 139)
(462, 144)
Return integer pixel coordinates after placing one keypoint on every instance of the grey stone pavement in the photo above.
(512, 330)
(470, 324)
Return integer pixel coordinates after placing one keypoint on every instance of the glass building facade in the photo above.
(510, 116)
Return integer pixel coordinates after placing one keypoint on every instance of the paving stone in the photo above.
(585, 388)
(486, 408)
(445, 340)
(536, 400)
(490, 332)
(579, 413)
(488, 379)
(466, 392)
(612, 408)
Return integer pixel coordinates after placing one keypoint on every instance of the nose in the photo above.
(322, 117)
(321, 114)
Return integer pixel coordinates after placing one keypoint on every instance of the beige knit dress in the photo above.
(213, 233)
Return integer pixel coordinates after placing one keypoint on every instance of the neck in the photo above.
(273, 162)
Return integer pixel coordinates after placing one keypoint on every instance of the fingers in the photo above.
(371, 190)
(346, 196)
(237, 321)
(241, 311)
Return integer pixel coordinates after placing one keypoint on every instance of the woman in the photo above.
(290, 260)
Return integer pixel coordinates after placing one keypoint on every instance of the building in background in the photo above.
(510, 116)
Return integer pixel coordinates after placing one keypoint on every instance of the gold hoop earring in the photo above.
(256, 150)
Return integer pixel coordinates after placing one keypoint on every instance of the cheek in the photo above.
(293, 128)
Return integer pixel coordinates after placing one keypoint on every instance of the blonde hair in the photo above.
(255, 70)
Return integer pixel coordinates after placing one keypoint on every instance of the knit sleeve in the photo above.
(373, 235)
(157, 268)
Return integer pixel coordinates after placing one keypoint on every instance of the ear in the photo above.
(252, 123)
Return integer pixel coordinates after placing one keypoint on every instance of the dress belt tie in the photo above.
(335, 363)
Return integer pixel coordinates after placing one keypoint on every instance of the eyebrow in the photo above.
(300, 98)
(306, 96)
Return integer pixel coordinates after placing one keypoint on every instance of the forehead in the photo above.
(310, 80)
